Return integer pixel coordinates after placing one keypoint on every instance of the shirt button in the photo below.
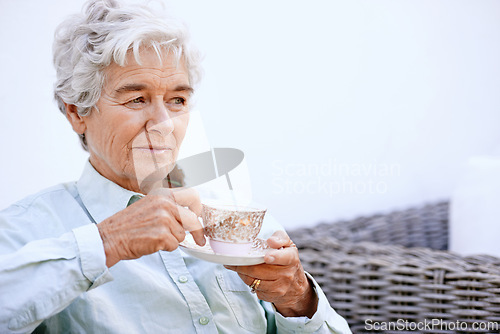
(204, 320)
(183, 279)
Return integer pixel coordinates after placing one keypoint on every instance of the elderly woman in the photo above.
(88, 256)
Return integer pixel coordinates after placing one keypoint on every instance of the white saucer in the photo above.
(255, 256)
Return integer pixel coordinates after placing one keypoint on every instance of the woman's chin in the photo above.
(148, 173)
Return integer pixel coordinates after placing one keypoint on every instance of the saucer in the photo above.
(255, 256)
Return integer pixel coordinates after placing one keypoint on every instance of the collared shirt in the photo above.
(53, 276)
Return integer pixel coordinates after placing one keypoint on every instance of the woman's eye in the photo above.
(178, 100)
(177, 104)
(137, 100)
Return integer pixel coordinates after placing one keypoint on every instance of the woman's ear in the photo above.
(76, 120)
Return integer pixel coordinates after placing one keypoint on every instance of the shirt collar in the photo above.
(102, 197)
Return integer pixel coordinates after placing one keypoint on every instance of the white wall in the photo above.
(341, 107)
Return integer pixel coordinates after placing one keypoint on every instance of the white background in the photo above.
(322, 96)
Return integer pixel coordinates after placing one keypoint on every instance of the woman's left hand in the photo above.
(282, 279)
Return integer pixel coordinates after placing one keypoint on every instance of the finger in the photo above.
(163, 192)
(178, 233)
(262, 271)
(190, 223)
(188, 219)
(283, 257)
(249, 280)
(279, 239)
(249, 271)
(199, 237)
(170, 243)
(188, 197)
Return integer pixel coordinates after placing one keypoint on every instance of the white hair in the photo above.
(87, 43)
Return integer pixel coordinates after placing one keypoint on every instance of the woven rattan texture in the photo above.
(394, 267)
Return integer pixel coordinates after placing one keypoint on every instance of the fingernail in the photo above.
(270, 259)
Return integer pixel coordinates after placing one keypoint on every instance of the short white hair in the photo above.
(87, 43)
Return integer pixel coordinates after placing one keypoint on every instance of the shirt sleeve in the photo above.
(325, 320)
(44, 276)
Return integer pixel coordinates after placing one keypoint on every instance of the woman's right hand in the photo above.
(158, 221)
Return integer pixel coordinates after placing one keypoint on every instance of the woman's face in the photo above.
(141, 120)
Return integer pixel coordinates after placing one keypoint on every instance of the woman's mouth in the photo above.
(153, 149)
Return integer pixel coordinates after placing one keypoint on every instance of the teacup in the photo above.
(231, 228)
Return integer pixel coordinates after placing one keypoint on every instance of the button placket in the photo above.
(200, 310)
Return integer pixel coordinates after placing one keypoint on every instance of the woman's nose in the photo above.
(159, 119)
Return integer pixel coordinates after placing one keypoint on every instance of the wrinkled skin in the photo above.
(283, 281)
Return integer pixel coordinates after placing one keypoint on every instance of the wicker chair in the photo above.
(394, 269)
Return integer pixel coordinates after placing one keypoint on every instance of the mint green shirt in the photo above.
(53, 276)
